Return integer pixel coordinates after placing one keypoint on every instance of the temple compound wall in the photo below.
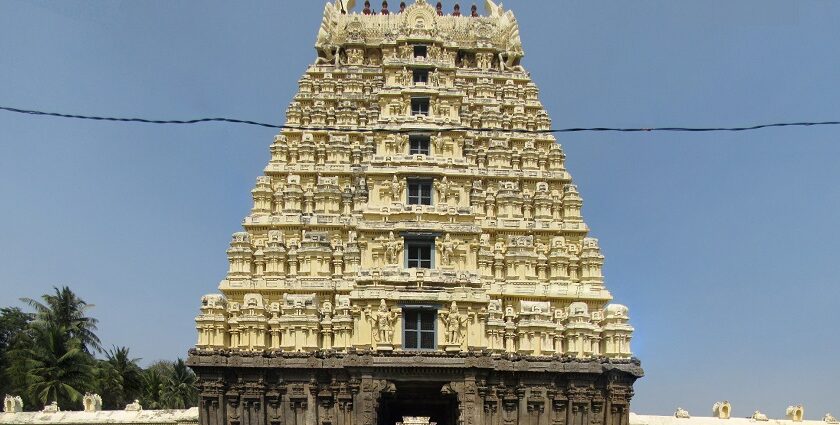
(14, 414)
(133, 414)
(415, 247)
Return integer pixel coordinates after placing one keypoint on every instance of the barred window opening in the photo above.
(419, 329)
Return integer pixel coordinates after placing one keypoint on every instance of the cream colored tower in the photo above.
(416, 203)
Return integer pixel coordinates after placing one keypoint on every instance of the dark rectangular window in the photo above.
(421, 51)
(418, 144)
(419, 192)
(419, 253)
(419, 106)
(419, 329)
(421, 76)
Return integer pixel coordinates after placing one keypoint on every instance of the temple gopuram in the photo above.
(416, 247)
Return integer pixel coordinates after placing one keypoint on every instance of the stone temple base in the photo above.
(375, 388)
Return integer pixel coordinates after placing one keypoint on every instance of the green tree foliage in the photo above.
(120, 378)
(57, 368)
(14, 332)
(169, 385)
(179, 390)
(65, 310)
(49, 356)
(152, 395)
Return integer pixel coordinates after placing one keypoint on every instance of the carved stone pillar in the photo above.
(370, 392)
(469, 402)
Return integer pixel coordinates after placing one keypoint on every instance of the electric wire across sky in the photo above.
(389, 130)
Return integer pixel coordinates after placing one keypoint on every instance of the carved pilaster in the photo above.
(298, 402)
(536, 406)
(559, 407)
(370, 393)
(274, 405)
(510, 407)
(232, 406)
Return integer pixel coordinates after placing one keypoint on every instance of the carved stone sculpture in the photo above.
(383, 324)
(681, 413)
(393, 248)
(396, 187)
(795, 413)
(447, 250)
(722, 410)
(134, 406)
(92, 402)
(12, 404)
(416, 420)
(445, 189)
(455, 322)
(759, 417)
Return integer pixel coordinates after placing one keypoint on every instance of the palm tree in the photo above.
(57, 368)
(152, 389)
(179, 390)
(121, 377)
(67, 311)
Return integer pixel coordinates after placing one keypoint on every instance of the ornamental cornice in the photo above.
(326, 359)
(406, 165)
(498, 31)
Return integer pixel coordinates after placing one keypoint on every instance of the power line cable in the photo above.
(387, 130)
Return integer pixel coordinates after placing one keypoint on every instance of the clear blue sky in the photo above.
(724, 246)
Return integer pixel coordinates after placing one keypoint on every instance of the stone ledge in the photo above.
(157, 417)
(397, 359)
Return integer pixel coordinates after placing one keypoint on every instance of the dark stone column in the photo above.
(368, 399)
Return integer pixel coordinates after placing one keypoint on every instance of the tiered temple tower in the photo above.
(416, 246)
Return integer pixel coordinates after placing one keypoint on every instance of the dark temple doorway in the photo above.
(418, 399)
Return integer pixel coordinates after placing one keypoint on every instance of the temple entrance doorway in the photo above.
(418, 399)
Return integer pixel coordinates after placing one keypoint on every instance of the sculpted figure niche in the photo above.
(444, 189)
(447, 250)
(382, 322)
(455, 322)
(395, 187)
(393, 247)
